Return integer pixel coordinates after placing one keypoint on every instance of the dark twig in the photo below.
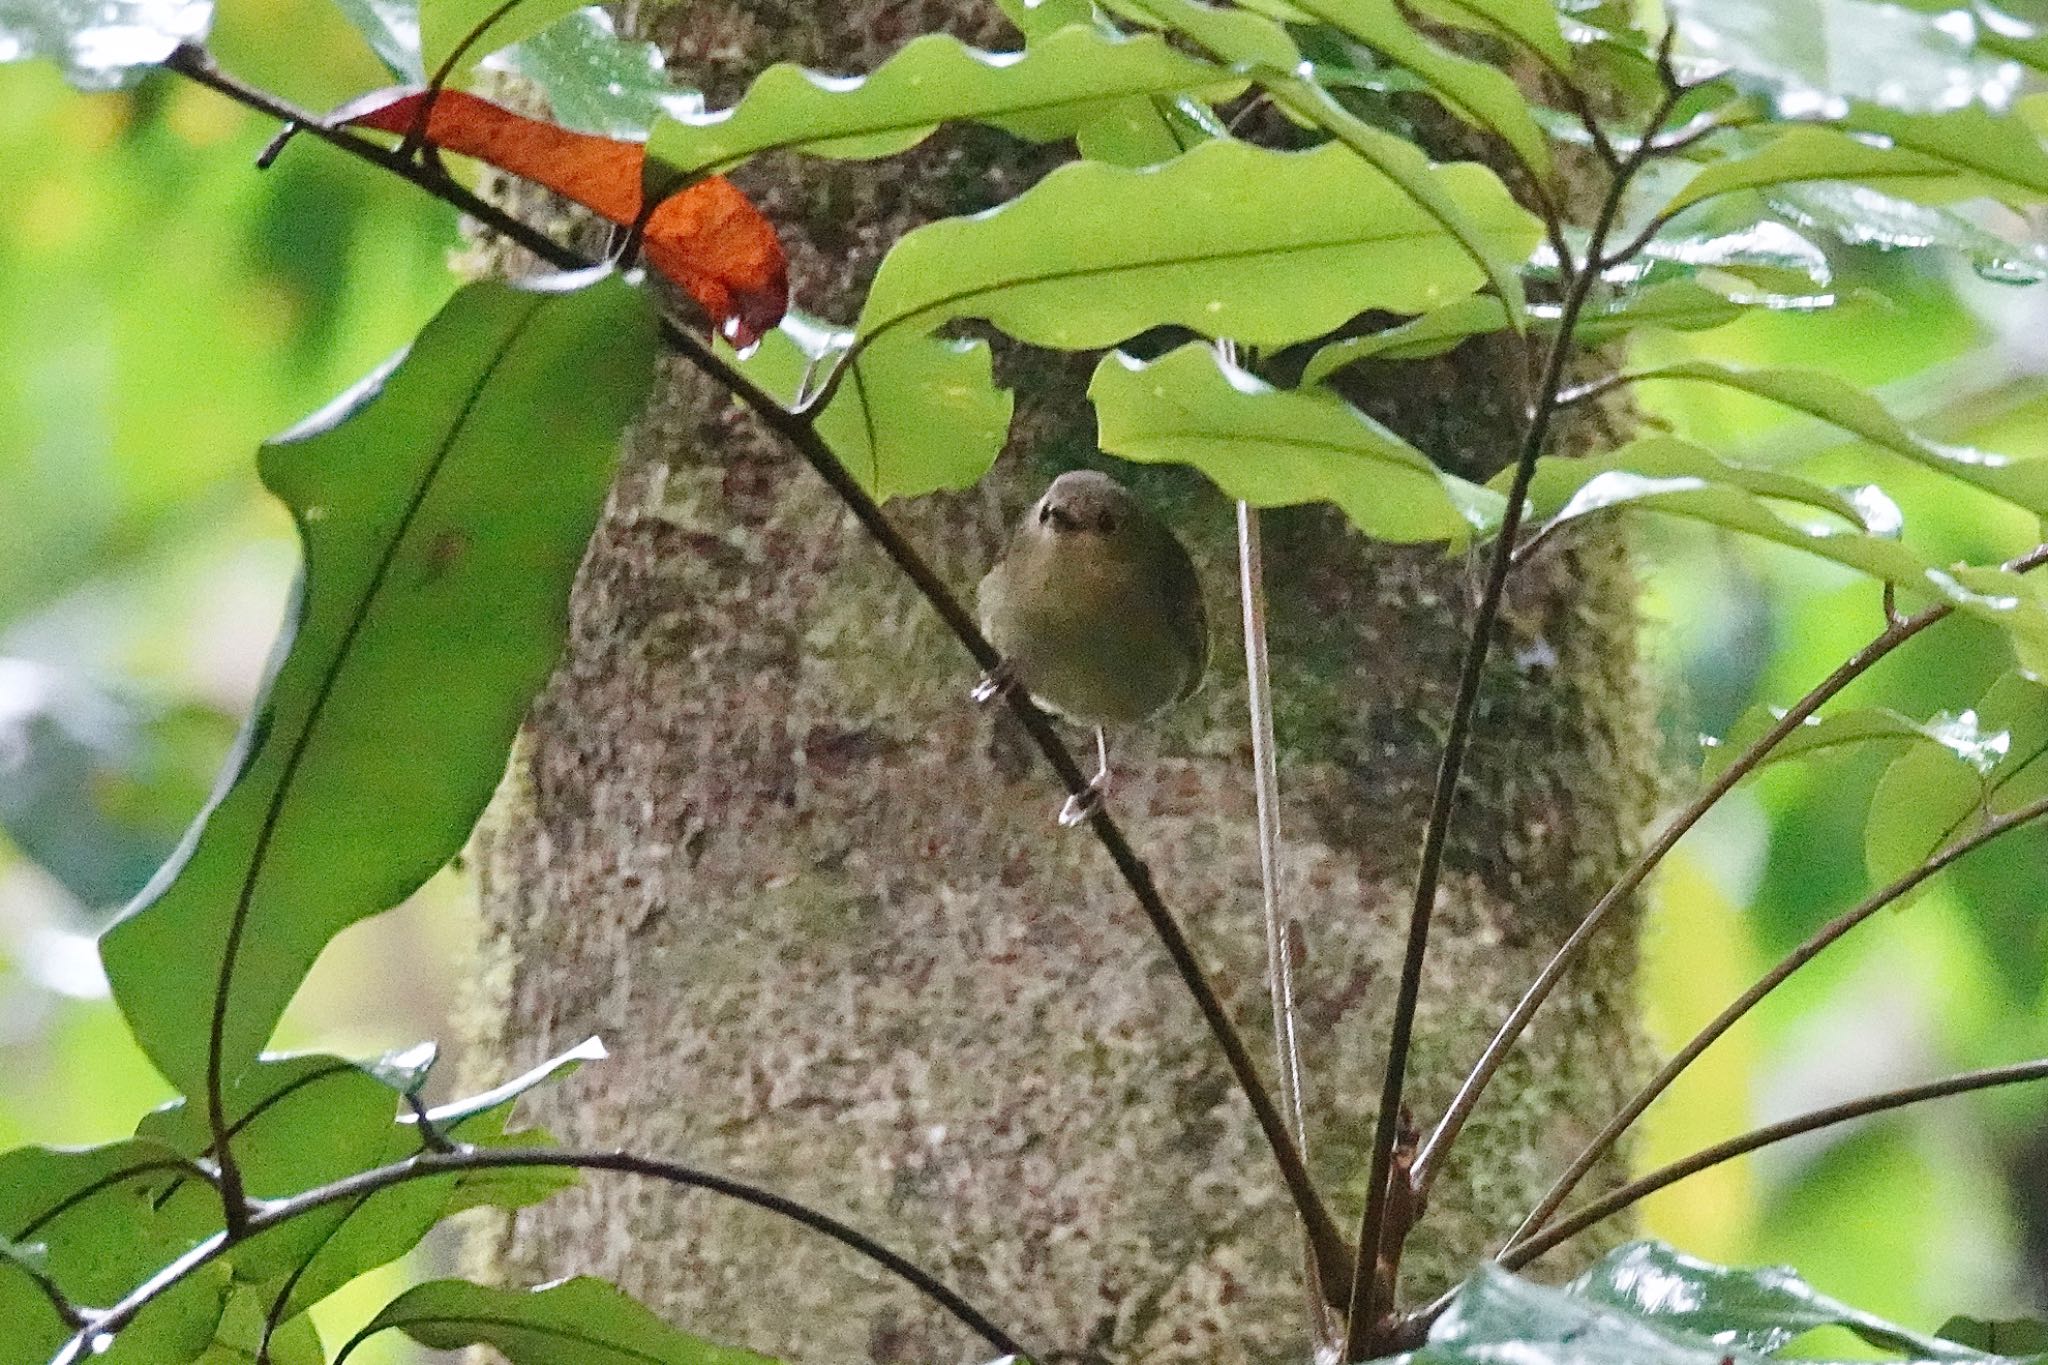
(1430, 1163)
(1366, 1307)
(1572, 1224)
(1333, 1256)
(1828, 933)
(70, 1314)
(431, 1164)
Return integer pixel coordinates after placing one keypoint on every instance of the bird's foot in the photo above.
(995, 684)
(1080, 809)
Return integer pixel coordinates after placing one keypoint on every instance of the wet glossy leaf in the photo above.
(709, 239)
(1481, 95)
(1803, 155)
(100, 44)
(87, 1219)
(1497, 1317)
(1676, 478)
(1921, 804)
(1813, 54)
(1275, 447)
(1709, 299)
(1768, 255)
(594, 80)
(446, 25)
(575, 1322)
(2023, 482)
(1862, 216)
(1094, 254)
(1047, 92)
(444, 505)
(1959, 738)
(915, 412)
(1759, 1310)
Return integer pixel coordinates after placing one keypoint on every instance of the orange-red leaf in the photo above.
(710, 239)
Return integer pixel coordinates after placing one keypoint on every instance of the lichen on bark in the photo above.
(756, 837)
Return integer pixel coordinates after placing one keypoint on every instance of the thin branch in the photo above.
(1365, 1309)
(1333, 1256)
(1434, 1152)
(70, 1314)
(1576, 1222)
(1828, 933)
(431, 1164)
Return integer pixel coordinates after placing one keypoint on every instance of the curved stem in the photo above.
(1366, 1306)
(1332, 1255)
(1834, 929)
(431, 1164)
(1576, 1222)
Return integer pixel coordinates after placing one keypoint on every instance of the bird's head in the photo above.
(1084, 503)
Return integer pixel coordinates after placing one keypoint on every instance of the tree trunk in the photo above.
(756, 836)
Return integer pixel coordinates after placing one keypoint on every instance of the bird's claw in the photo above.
(994, 684)
(1080, 809)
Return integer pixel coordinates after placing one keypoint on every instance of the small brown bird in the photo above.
(1097, 610)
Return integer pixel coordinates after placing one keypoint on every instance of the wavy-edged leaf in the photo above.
(1758, 1310)
(444, 506)
(1671, 476)
(1264, 51)
(913, 413)
(594, 80)
(1496, 1317)
(1707, 300)
(2008, 1336)
(446, 25)
(583, 1321)
(2023, 482)
(1094, 254)
(1422, 338)
(1862, 216)
(1811, 53)
(709, 239)
(1481, 95)
(1806, 154)
(1531, 24)
(1277, 447)
(1922, 804)
(1047, 92)
(1145, 132)
(100, 44)
(1961, 738)
(87, 1220)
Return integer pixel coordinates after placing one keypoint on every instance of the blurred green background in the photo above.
(163, 308)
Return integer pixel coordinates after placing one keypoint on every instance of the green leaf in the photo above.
(392, 29)
(2000, 152)
(2009, 1337)
(444, 507)
(1646, 1304)
(597, 82)
(582, 1321)
(89, 1220)
(1705, 301)
(1802, 155)
(1958, 738)
(1862, 216)
(1038, 19)
(1481, 95)
(1275, 447)
(1145, 132)
(2023, 482)
(1922, 804)
(446, 25)
(1262, 48)
(1531, 24)
(100, 44)
(1432, 334)
(1094, 254)
(1674, 477)
(914, 413)
(1810, 53)
(1753, 1310)
(99, 781)
(1045, 93)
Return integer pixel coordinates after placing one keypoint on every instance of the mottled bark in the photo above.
(756, 837)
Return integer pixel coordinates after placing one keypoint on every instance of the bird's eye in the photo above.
(1108, 523)
(1044, 513)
